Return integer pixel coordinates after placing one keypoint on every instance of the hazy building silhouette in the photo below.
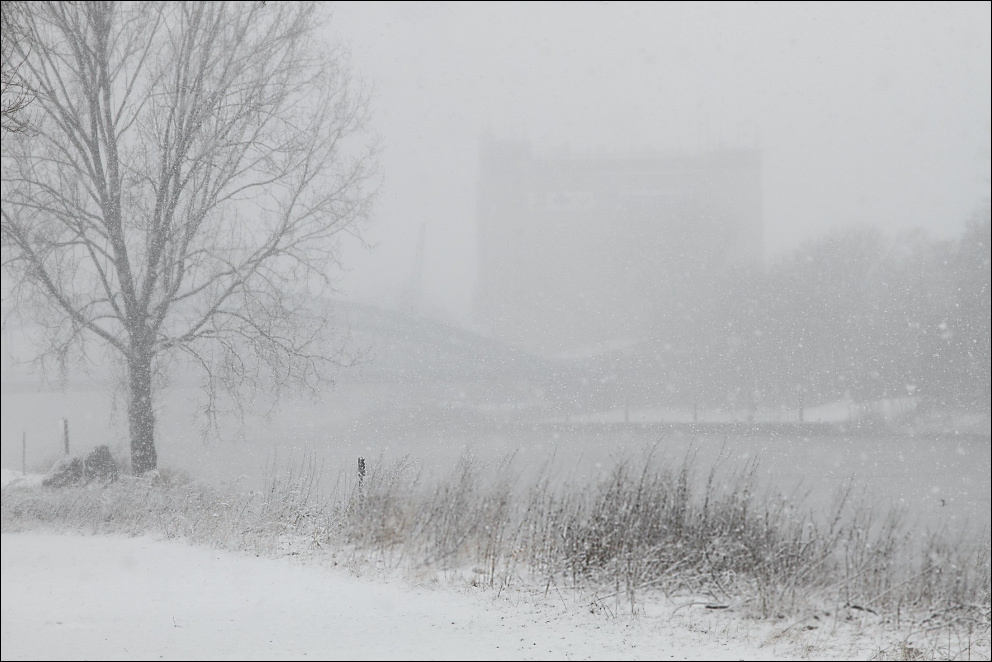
(581, 252)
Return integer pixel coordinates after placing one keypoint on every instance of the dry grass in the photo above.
(645, 528)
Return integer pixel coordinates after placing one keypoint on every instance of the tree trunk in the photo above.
(141, 417)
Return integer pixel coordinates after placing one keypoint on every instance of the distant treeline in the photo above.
(854, 314)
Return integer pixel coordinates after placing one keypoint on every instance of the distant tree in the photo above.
(190, 168)
(969, 323)
(854, 312)
(814, 333)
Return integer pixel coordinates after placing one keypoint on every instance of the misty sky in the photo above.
(865, 112)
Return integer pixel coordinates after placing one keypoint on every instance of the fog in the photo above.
(680, 309)
(602, 225)
(863, 114)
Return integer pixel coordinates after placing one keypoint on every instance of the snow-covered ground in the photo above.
(11, 477)
(111, 597)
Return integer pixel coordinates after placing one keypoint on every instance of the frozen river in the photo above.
(938, 480)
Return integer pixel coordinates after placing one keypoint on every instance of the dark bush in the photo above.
(66, 472)
(100, 465)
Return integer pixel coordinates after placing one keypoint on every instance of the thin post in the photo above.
(361, 474)
(65, 434)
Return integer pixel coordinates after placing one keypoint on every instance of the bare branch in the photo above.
(191, 169)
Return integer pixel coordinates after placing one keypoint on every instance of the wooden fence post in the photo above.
(65, 435)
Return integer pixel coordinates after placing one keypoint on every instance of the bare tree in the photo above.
(182, 193)
(14, 94)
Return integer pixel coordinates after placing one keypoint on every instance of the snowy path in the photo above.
(95, 597)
